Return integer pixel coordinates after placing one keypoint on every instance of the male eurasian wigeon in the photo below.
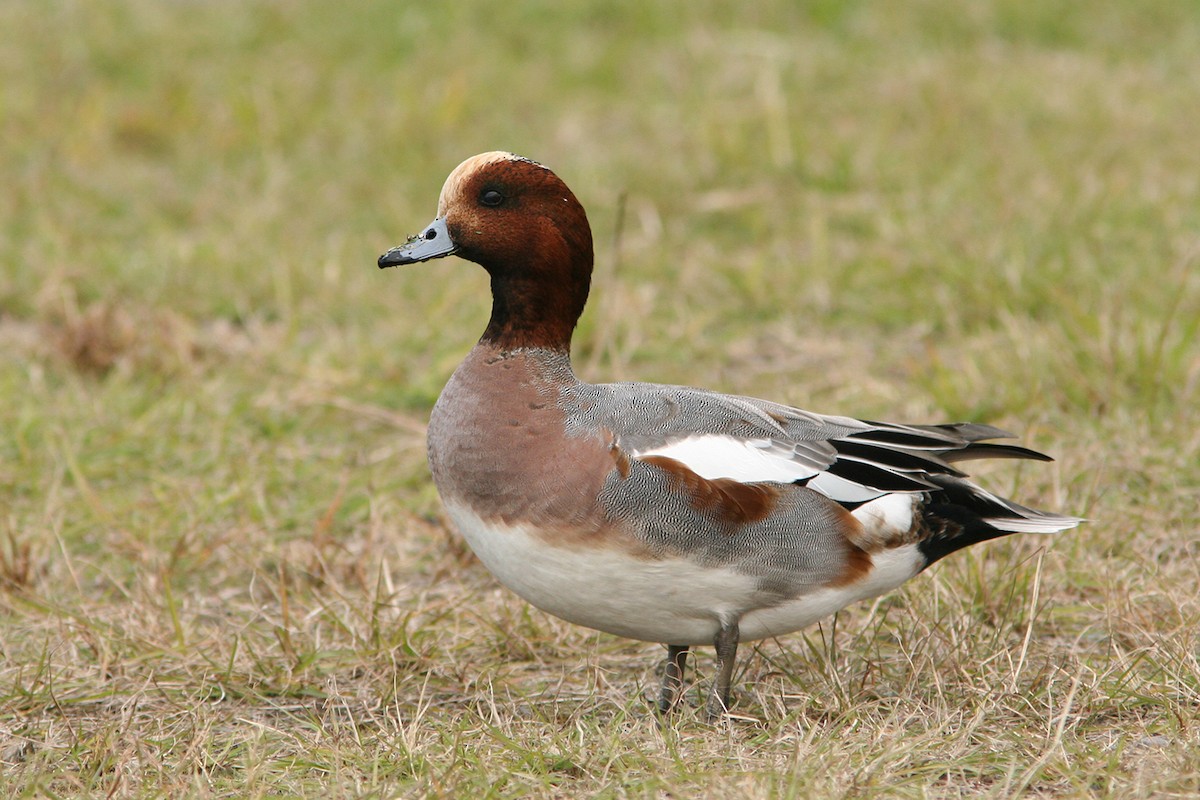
(666, 513)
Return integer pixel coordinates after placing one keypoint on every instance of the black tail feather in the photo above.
(962, 514)
(950, 527)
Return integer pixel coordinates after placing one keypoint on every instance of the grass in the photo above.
(223, 569)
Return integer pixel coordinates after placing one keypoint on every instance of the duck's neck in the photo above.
(537, 308)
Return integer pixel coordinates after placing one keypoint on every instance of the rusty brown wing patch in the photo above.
(729, 500)
(858, 559)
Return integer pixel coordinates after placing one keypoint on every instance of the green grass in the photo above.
(223, 569)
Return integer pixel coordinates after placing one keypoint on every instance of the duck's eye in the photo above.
(490, 197)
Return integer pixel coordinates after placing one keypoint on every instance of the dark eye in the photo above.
(490, 197)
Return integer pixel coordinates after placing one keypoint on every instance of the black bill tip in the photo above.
(395, 257)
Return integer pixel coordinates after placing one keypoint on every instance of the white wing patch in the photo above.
(838, 488)
(750, 461)
(755, 460)
(744, 460)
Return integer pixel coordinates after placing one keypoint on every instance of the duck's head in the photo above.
(520, 222)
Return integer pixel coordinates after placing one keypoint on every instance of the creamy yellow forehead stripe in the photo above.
(460, 174)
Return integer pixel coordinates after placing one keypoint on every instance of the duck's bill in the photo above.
(433, 242)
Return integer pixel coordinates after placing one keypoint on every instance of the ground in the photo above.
(223, 569)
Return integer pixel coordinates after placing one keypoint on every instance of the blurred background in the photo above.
(831, 193)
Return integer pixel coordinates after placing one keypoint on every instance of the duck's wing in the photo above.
(851, 461)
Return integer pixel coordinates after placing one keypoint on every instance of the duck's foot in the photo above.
(726, 643)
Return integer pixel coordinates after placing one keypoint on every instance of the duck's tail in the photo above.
(962, 514)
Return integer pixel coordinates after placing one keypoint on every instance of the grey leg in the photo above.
(672, 682)
(726, 643)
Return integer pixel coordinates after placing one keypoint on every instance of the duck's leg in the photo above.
(672, 681)
(726, 643)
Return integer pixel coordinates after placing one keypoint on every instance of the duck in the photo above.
(667, 513)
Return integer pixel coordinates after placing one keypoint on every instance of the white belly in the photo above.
(890, 569)
(670, 600)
